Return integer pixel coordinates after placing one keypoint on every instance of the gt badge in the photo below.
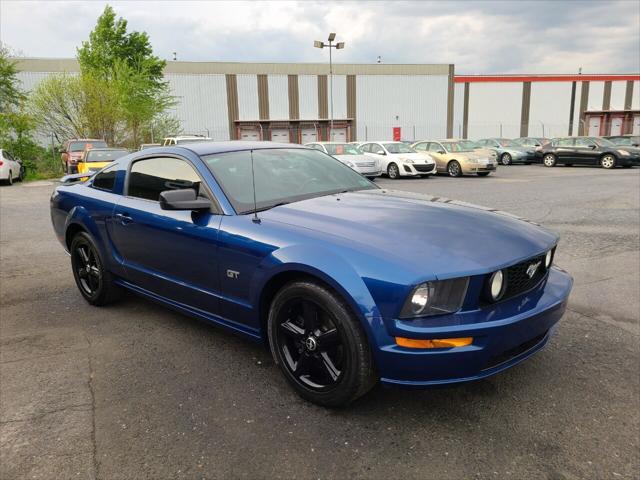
(233, 274)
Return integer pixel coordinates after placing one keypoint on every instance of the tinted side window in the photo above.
(434, 147)
(106, 179)
(564, 142)
(154, 175)
(584, 142)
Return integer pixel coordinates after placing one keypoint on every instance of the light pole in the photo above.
(330, 45)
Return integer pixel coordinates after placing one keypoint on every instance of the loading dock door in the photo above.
(251, 134)
(594, 126)
(339, 135)
(309, 134)
(280, 135)
(616, 125)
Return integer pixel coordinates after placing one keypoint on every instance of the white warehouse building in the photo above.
(291, 102)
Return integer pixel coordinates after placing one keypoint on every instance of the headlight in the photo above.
(349, 164)
(497, 285)
(435, 298)
(407, 160)
(548, 258)
(623, 152)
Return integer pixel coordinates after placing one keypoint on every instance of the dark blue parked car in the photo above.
(349, 284)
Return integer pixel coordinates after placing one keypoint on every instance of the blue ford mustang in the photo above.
(348, 283)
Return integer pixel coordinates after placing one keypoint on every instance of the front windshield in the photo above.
(398, 148)
(504, 142)
(461, 146)
(80, 146)
(282, 175)
(104, 155)
(603, 142)
(342, 149)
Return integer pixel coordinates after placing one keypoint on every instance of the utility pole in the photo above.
(330, 46)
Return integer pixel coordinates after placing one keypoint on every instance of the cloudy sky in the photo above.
(477, 36)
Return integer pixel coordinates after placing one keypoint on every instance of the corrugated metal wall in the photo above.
(248, 97)
(339, 96)
(278, 97)
(635, 100)
(202, 104)
(308, 93)
(596, 92)
(458, 110)
(618, 90)
(494, 110)
(418, 101)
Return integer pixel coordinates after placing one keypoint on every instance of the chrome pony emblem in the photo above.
(533, 268)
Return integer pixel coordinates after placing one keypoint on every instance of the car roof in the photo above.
(333, 143)
(208, 148)
(104, 149)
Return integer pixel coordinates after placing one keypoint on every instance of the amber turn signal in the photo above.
(434, 343)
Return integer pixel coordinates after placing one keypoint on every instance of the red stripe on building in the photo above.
(543, 78)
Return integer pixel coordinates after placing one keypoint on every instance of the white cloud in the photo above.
(478, 37)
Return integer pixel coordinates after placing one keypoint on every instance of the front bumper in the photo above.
(629, 161)
(414, 169)
(503, 335)
(478, 167)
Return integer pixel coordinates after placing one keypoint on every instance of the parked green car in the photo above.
(508, 151)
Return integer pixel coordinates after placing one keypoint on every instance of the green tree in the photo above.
(10, 94)
(109, 44)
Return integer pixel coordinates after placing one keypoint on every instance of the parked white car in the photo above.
(10, 169)
(351, 156)
(398, 159)
(181, 139)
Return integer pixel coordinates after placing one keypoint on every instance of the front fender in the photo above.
(330, 268)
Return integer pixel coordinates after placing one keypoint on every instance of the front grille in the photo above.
(512, 353)
(423, 168)
(518, 278)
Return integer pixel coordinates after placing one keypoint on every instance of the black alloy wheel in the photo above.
(393, 171)
(319, 346)
(93, 280)
(454, 169)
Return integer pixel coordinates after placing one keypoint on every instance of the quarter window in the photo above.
(106, 179)
(148, 178)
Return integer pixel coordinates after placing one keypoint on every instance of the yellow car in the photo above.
(95, 159)
(458, 157)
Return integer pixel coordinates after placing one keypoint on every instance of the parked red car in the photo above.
(72, 152)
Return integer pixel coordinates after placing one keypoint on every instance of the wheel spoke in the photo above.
(329, 367)
(291, 329)
(82, 273)
(310, 315)
(303, 365)
(83, 255)
(327, 339)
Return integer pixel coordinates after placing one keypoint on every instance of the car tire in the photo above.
(94, 281)
(393, 171)
(22, 174)
(608, 161)
(527, 163)
(506, 159)
(302, 317)
(10, 178)
(549, 160)
(454, 169)
(483, 174)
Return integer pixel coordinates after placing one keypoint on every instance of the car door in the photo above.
(564, 149)
(378, 152)
(587, 151)
(14, 166)
(173, 254)
(439, 154)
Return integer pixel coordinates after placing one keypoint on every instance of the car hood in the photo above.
(425, 234)
(472, 155)
(416, 157)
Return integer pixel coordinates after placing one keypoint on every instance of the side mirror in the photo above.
(441, 152)
(380, 152)
(183, 199)
(593, 146)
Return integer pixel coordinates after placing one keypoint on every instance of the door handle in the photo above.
(124, 219)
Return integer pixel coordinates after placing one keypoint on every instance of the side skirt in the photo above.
(235, 327)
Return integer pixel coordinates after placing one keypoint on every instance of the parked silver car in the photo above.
(350, 155)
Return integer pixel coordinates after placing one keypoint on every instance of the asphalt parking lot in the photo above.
(137, 391)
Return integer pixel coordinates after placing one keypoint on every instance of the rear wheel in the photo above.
(93, 280)
(454, 169)
(506, 159)
(549, 160)
(319, 345)
(393, 171)
(608, 161)
(10, 178)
